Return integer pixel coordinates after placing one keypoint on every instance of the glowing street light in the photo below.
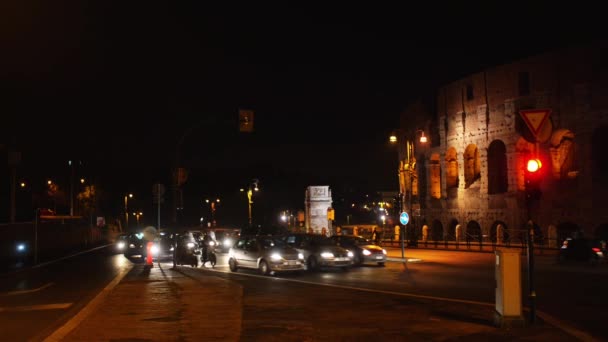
(127, 196)
(22, 184)
(81, 180)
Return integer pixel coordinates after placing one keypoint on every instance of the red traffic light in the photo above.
(534, 165)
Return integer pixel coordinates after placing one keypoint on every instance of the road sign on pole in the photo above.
(404, 218)
(535, 119)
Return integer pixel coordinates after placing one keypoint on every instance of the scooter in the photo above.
(208, 253)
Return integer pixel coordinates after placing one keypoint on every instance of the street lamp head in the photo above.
(49, 182)
(130, 195)
(81, 180)
(392, 138)
(242, 190)
(283, 217)
(423, 137)
(256, 188)
(217, 200)
(23, 184)
(141, 214)
(207, 201)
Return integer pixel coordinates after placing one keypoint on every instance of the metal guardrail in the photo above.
(515, 239)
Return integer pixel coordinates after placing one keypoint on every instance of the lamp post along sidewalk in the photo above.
(409, 166)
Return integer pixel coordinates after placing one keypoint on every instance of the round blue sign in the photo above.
(404, 218)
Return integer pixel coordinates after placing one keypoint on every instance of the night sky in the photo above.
(116, 84)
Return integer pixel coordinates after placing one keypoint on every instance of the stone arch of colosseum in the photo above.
(472, 165)
(435, 175)
(498, 180)
(436, 230)
(474, 232)
(451, 162)
(562, 154)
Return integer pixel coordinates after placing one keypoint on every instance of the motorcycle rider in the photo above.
(208, 246)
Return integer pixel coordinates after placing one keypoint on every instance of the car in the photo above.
(581, 249)
(364, 250)
(120, 243)
(224, 237)
(319, 251)
(135, 245)
(268, 254)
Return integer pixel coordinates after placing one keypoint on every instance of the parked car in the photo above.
(581, 249)
(267, 254)
(364, 250)
(319, 251)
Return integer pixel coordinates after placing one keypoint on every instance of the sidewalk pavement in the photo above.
(161, 304)
(164, 304)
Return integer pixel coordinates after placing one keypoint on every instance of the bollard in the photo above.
(149, 254)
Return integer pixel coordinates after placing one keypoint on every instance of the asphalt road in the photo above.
(37, 301)
(574, 293)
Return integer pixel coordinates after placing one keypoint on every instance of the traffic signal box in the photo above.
(533, 177)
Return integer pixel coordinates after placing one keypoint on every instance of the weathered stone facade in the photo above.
(473, 177)
(318, 200)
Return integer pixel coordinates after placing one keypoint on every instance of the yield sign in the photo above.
(535, 118)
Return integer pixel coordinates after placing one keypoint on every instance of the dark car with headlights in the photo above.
(364, 250)
(268, 254)
(319, 251)
(120, 243)
(135, 244)
(582, 250)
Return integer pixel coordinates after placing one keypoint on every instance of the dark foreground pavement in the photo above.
(184, 304)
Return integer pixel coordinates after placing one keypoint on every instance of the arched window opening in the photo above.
(451, 160)
(472, 165)
(437, 231)
(562, 154)
(497, 168)
(473, 231)
(435, 176)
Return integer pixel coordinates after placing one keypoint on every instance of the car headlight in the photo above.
(171, 249)
(154, 250)
(21, 247)
(211, 243)
(227, 242)
(327, 255)
(275, 257)
(350, 254)
(384, 251)
(300, 256)
(366, 252)
(120, 245)
(131, 245)
(190, 244)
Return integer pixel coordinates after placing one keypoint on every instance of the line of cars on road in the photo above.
(302, 251)
(270, 254)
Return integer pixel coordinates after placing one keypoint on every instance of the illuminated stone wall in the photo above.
(484, 145)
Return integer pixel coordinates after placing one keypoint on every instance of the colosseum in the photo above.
(467, 180)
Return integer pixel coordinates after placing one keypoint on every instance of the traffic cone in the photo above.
(149, 254)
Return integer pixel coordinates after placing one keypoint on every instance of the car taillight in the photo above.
(596, 250)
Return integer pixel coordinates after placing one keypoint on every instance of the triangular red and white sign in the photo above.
(535, 118)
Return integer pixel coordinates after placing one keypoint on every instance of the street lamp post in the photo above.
(411, 170)
(212, 205)
(127, 210)
(253, 187)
